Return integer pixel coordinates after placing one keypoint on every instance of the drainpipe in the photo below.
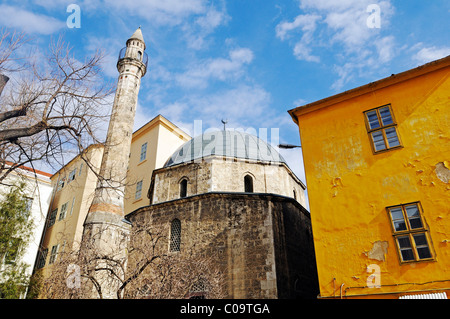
(340, 294)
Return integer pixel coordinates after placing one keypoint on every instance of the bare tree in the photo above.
(51, 106)
(146, 271)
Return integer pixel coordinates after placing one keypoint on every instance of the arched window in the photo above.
(183, 188)
(140, 55)
(175, 235)
(198, 290)
(295, 195)
(248, 184)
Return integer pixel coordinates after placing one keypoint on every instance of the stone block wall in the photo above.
(263, 241)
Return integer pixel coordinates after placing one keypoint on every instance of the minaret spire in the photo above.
(105, 219)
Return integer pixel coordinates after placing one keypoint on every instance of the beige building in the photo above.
(75, 183)
(151, 146)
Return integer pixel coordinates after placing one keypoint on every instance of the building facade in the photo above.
(378, 174)
(230, 195)
(74, 185)
(38, 190)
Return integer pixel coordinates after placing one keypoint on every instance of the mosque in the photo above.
(231, 194)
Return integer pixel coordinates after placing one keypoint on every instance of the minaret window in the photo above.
(140, 55)
(248, 184)
(183, 188)
(175, 235)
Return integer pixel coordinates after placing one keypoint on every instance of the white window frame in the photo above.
(53, 254)
(63, 212)
(138, 193)
(143, 152)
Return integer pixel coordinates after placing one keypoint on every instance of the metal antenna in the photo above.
(224, 122)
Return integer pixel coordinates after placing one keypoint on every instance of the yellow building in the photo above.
(377, 164)
(151, 146)
(74, 186)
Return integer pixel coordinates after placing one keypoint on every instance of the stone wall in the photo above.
(216, 174)
(263, 241)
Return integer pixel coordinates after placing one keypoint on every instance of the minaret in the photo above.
(105, 230)
(132, 65)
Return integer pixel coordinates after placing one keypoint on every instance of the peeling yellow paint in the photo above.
(443, 172)
(378, 251)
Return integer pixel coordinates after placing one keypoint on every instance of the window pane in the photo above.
(404, 242)
(398, 219)
(386, 118)
(405, 248)
(412, 211)
(372, 118)
(399, 225)
(392, 138)
(143, 152)
(138, 192)
(407, 255)
(422, 246)
(420, 240)
(396, 213)
(378, 141)
(414, 216)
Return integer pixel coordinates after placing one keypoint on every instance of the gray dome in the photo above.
(225, 143)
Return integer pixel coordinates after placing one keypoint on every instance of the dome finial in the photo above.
(224, 122)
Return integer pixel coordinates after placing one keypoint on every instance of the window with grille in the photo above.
(411, 235)
(382, 129)
(175, 235)
(198, 290)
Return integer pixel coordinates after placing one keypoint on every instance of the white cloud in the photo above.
(163, 12)
(343, 23)
(307, 23)
(222, 69)
(429, 54)
(196, 32)
(29, 22)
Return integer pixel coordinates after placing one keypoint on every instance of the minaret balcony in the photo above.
(135, 55)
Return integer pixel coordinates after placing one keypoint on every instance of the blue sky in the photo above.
(248, 61)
